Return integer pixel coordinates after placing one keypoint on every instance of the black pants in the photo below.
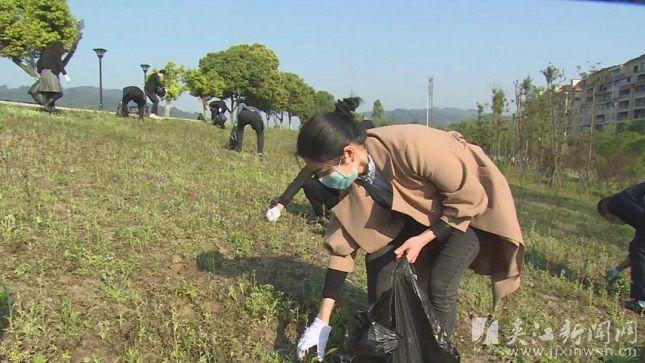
(322, 199)
(217, 118)
(52, 97)
(441, 272)
(140, 101)
(155, 102)
(637, 261)
(248, 117)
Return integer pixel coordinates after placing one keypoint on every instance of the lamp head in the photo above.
(100, 52)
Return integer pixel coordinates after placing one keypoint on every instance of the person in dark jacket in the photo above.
(367, 124)
(218, 113)
(247, 115)
(132, 93)
(50, 65)
(322, 198)
(154, 88)
(628, 207)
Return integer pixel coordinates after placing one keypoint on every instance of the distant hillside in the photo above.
(83, 97)
(443, 116)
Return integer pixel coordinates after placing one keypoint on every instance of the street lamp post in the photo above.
(100, 52)
(145, 68)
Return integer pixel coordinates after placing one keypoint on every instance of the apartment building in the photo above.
(613, 95)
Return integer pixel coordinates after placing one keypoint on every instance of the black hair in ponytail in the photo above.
(325, 135)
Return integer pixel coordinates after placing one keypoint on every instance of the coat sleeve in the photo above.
(441, 160)
(341, 246)
(295, 186)
(629, 205)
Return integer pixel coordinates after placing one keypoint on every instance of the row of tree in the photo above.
(540, 136)
(250, 74)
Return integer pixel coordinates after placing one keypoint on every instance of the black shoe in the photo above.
(634, 306)
(316, 220)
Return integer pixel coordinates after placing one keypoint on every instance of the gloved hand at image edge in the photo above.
(612, 275)
(317, 334)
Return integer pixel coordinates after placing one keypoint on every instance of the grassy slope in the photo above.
(146, 241)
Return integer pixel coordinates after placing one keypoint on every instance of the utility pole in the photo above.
(430, 101)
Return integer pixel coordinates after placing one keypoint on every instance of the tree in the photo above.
(271, 97)
(480, 112)
(243, 68)
(172, 82)
(497, 106)
(204, 86)
(552, 74)
(323, 102)
(377, 110)
(27, 26)
(525, 90)
(300, 97)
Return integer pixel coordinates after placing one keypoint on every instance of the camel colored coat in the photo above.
(435, 175)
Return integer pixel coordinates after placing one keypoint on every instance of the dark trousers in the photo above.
(322, 199)
(52, 97)
(440, 268)
(247, 117)
(637, 261)
(218, 119)
(155, 102)
(125, 112)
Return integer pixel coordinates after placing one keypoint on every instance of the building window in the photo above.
(636, 68)
(620, 127)
(622, 116)
(640, 113)
(624, 92)
(639, 102)
(640, 88)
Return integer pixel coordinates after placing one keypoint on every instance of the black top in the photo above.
(153, 83)
(51, 60)
(135, 94)
(629, 206)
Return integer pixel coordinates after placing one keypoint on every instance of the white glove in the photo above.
(67, 79)
(316, 334)
(273, 214)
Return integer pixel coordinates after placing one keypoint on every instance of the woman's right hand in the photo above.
(316, 335)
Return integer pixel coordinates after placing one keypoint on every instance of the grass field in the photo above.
(144, 242)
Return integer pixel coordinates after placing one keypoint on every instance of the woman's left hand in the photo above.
(413, 246)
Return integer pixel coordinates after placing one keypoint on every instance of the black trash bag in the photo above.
(233, 142)
(369, 338)
(160, 91)
(40, 98)
(219, 120)
(403, 311)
